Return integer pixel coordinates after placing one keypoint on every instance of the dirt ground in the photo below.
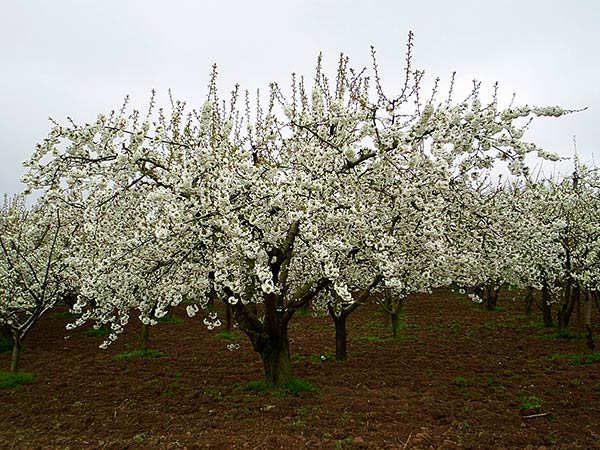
(460, 377)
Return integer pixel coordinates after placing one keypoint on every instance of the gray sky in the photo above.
(78, 58)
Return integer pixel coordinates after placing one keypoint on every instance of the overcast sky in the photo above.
(78, 58)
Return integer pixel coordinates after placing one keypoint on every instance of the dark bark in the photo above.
(571, 298)
(16, 354)
(228, 318)
(546, 306)
(491, 300)
(144, 338)
(528, 300)
(395, 320)
(341, 337)
(587, 322)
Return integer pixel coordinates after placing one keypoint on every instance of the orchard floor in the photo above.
(460, 377)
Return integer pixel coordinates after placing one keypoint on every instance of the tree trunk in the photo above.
(276, 359)
(144, 338)
(395, 319)
(528, 300)
(572, 296)
(546, 306)
(16, 354)
(228, 318)
(492, 297)
(341, 336)
(587, 322)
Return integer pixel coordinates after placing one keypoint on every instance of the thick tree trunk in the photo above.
(546, 306)
(491, 300)
(276, 359)
(16, 354)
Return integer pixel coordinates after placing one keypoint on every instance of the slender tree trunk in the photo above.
(144, 338)
(341, 336)
(16, 354)
(395, 320)
(587, 322)
(491, 300)
(228, 318)
(571, 298)
(528, 300)
(546, 306)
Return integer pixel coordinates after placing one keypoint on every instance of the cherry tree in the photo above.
(268, 204)
(34, 267)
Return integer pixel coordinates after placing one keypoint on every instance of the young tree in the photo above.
(34, 267)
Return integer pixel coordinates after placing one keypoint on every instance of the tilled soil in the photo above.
(459, 377)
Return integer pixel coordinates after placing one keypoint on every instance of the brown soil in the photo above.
(457, 379)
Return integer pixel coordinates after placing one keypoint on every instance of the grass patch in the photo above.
(531, 402)
(399, 338)
(579, 359)
(67, 315)
(171, 318)
(293, 388)
(227, 335)
(103, 331)
(138, 354)
(461, 382)
(10, 380)
(562, 334)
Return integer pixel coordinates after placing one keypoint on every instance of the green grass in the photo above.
(339, 445)
(103, 331)
(561, 334)
(531, 402)
(67, 315)
(293, 388)
(171, 318)
(138, 354)
(579, 359)
(461, 382)
(10, 380)
(226, 335)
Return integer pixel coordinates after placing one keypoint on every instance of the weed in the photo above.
(530, 402)
(302, 410)
(293, 388)
(140, 437)
(578, 359)
(596, 388)
(213, 393)
(575, 382)
(461, 382)
(339, 445)
(138, 354)
(10, 380)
